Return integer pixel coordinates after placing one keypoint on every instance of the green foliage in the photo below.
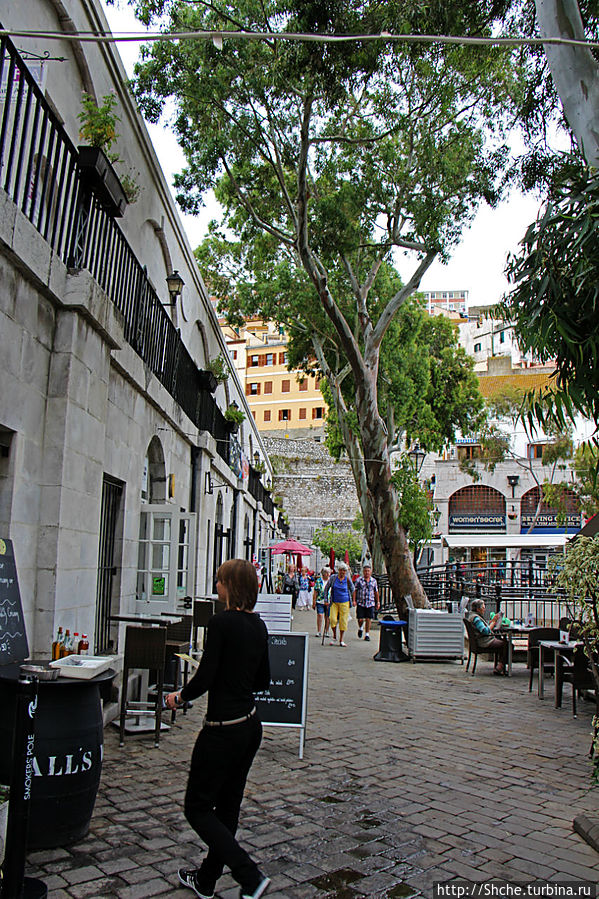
(554, 303)
(578, 577)
(219, 368)
(98, 123)
(415, 503)
(234, 414)
(331, 537)
(585, 464)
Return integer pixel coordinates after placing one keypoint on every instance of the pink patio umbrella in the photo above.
(290, 547)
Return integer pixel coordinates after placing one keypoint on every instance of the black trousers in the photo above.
(220, 764)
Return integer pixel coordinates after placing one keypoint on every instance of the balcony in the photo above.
(41, 171)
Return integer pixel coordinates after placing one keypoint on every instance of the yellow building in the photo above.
(279, 399)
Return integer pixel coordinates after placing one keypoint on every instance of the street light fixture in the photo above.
(175, 284)
(417, 455)
(513, 480)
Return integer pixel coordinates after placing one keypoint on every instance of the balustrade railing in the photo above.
(39, 170)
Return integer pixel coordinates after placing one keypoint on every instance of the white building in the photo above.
(121, 484)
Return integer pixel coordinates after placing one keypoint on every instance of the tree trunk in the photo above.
(574, 71)
(385, 502)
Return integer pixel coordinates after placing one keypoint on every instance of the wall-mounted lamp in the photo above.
(513, 480)
(175, 284)
(210, 485)
(436, 515)
(256, 458)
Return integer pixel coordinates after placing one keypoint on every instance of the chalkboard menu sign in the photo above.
(13, 639)
(284, 703)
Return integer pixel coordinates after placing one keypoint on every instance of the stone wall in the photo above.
(315, 489)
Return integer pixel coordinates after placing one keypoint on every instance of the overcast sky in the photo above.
(477, 264)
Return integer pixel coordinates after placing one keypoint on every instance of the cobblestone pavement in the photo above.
(412, 774)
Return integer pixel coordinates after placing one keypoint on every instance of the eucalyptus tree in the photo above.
(329, 159)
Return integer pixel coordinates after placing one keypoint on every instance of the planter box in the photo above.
(98, 174)
(207, 380)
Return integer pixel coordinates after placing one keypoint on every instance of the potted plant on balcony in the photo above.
(234, 416)
(98, 131)
(219, 369)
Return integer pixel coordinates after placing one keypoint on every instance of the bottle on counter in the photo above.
(67, 645)
(57, 644)
(75, 647)
(83, 648)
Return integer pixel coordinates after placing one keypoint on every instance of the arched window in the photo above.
(561, 516)
(153, 488)
(476, 508)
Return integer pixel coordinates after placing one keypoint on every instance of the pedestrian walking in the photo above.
(318, 601)
(339, 591)
(304, 597)
(367, 600)
(234, 665)
(291, 585)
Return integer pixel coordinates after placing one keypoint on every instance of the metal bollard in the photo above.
(14, 883)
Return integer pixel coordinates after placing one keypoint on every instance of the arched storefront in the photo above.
(478, 509)
(562, 518)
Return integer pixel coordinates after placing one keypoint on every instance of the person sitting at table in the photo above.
(486, 639)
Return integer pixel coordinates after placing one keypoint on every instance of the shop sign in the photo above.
(235, 461)
(483, 521)
(551, 520)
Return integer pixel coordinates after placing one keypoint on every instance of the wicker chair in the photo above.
(178, 640)
(474, 649)
(576, 672)
(144, 648)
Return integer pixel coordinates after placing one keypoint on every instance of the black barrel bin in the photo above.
(69, 738)
(390, 642)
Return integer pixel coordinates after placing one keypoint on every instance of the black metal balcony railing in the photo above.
(39, 170)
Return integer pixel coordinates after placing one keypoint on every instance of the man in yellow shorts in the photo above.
(340, 593)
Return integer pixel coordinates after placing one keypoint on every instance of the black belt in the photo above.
(231, 720)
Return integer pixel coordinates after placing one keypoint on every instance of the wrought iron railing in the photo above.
(39, 170)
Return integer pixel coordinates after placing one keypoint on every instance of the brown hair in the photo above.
(241, 582)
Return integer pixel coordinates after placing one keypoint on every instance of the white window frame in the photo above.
(169, 567)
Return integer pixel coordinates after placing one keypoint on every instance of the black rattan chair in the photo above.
(144, 648)
(532, 652)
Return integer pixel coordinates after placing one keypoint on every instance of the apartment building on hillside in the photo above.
(280, 400)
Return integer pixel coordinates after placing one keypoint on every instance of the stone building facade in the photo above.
(314, 490)
(121, 484)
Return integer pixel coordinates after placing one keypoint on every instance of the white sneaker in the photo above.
(259, 891)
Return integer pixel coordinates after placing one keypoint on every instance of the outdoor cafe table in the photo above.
(511, 631)
(556, 647)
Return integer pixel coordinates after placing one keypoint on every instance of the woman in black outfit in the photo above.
(234, 665)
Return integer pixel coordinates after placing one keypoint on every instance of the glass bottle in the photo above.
(75, 643)
(83, 648)
(57, 644)
(66, 646)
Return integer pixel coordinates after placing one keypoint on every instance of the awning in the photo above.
(464, 541)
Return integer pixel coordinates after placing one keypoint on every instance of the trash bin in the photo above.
(390, 642)
(68, 754)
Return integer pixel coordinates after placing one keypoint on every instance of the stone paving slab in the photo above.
(412, 775)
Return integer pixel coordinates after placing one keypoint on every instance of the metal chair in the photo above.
(145, 649)
(532, 652)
